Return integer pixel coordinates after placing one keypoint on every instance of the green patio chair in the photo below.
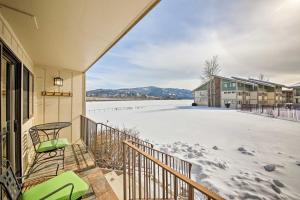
(67, 185)
(49, 147)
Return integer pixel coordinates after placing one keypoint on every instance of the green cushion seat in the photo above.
(41, 190)
(52, 145)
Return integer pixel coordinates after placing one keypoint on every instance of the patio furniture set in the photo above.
(66, 185)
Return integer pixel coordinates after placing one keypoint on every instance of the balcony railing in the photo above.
(148, 173)
(177, 164)
(146, 177)
(105, 142)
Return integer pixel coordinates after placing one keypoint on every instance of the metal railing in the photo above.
(146, 177)
(181, 166)
(105, 142)
(281, 112)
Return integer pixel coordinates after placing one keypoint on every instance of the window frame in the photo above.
(27, 116)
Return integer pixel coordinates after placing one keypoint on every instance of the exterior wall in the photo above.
(296, 96)
(253, 97)
(209, 96)
(47, 109)
(270, 98)
(287, 97)
(217, 92)
(229, 97)
(262, 98)
(56, 108)
(229, 93)
(201, 97)
(8, 36)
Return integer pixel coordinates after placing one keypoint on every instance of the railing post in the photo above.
(175, 188)
(140, 175)
(191, 193)
(124, 171)
(190, 169)
(166, 174)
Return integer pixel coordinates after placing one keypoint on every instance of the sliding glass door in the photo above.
(10, 138)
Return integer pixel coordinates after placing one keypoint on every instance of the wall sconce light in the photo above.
(58, 81)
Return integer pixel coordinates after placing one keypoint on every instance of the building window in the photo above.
(233, 84)
(225, 85)
(27, 94)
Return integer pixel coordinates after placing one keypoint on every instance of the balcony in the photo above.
(117, 165)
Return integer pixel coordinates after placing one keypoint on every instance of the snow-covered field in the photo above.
(239, 155)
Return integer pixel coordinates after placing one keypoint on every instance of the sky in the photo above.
(169, 46)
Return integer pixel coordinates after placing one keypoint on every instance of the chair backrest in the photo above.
(9, 182)
(34, 135)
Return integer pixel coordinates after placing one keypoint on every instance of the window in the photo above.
(233, 84)
(27, 94)
(225, 85)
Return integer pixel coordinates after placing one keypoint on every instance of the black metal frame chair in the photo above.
(13, 189)
(12, 184)
(40, 157)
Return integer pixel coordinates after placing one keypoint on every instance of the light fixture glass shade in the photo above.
(58, 81)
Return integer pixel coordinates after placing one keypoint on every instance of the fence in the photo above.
(274, 111)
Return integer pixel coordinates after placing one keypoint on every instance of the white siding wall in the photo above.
(55, 108)
(11, 41)
(229, 96)
(253, 97)
(201, 97)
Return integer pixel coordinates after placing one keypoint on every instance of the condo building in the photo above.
(235, 91)
(296, 94)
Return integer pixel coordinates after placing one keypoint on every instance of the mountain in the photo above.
(150, 92)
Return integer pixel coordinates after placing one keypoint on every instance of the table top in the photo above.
(52, 126)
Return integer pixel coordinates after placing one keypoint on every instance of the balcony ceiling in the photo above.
(72, 34)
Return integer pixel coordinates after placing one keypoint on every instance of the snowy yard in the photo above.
(239, 155)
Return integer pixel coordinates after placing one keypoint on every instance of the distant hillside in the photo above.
(142, 93)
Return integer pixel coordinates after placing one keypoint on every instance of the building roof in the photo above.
(267, 82)
(72, 34)
(296, 85)
(200, 86)
(260, 83)
(245, 81)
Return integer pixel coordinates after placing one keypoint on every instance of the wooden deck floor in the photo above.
(82, 163)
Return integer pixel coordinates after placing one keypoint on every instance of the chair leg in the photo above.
(63, 158)
(34, 162)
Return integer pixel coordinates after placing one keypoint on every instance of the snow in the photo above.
(229, 149)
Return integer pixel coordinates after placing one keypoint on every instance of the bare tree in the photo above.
(211, 68)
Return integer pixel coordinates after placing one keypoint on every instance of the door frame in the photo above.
(18, 107)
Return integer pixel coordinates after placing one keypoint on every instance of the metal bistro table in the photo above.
(52, 128)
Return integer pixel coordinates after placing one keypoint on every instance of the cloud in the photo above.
(250, 37)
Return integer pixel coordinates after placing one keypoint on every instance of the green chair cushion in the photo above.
(52, 145)
(41, 190)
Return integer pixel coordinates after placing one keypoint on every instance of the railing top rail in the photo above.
(192, 183)
(89, 119)
(158, 151)
(122, 132)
